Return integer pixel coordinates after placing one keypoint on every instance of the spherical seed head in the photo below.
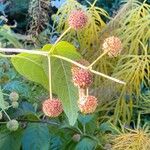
(76, 137)
(78, 19)
(113, 45)
(52, 107)
(87, 104)
(14, 96)
(81, 77)
(12, 125)
(15, 104)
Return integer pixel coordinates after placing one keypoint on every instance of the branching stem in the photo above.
(60, 57)
(104, 53)
(13, 50)
(62, 35)
(6, 114)
(93, 71)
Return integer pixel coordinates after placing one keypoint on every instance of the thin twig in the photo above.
(60, 57)
(6, 114)
(95, 61)
(62, 35)
(39, 121)
(13, 50)
(93, 71)
(49, 77)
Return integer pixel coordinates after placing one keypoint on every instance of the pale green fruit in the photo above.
(12, 125)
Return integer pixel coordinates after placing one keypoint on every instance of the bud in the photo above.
(12, 125)
(14, 96)
(76, 137)
(15, 104)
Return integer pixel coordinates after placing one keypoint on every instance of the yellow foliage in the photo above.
(88, 38)
(134, 26)
(138, 139)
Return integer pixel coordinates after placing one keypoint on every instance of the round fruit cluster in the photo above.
(14, 97)
(113, 46)
(82, 78)
(52, 107)
(12, 125)
(78, 19)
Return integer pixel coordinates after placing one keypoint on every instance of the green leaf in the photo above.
(2, 104)
(89, 121)
(86, 144)
(62, 81)
(35, 68)
(10, 140)
(36, 137)
(108, 127)
(55, 143)
(30, 66)
(85, 119)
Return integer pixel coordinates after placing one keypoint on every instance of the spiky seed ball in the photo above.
(1, 115)
(15, 104)
(12, 125)
(113, 45)
(78, 19)
(87, 104)
(76, 137)
(81, 77)
(52, 107)
(14, 96)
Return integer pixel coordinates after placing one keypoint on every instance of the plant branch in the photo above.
(13, 50)
(93, 71)
(6, 114)
(104, 53)
(60, 57)
(39, 121)
(67, 30)
(62, 35)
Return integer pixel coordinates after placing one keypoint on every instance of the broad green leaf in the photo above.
(35, 68)
(30, 66)
(2, 104)
(64, 46)
(10, 140)
(62, 81)
(86, 144)
(36, 137)
(108, 127)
